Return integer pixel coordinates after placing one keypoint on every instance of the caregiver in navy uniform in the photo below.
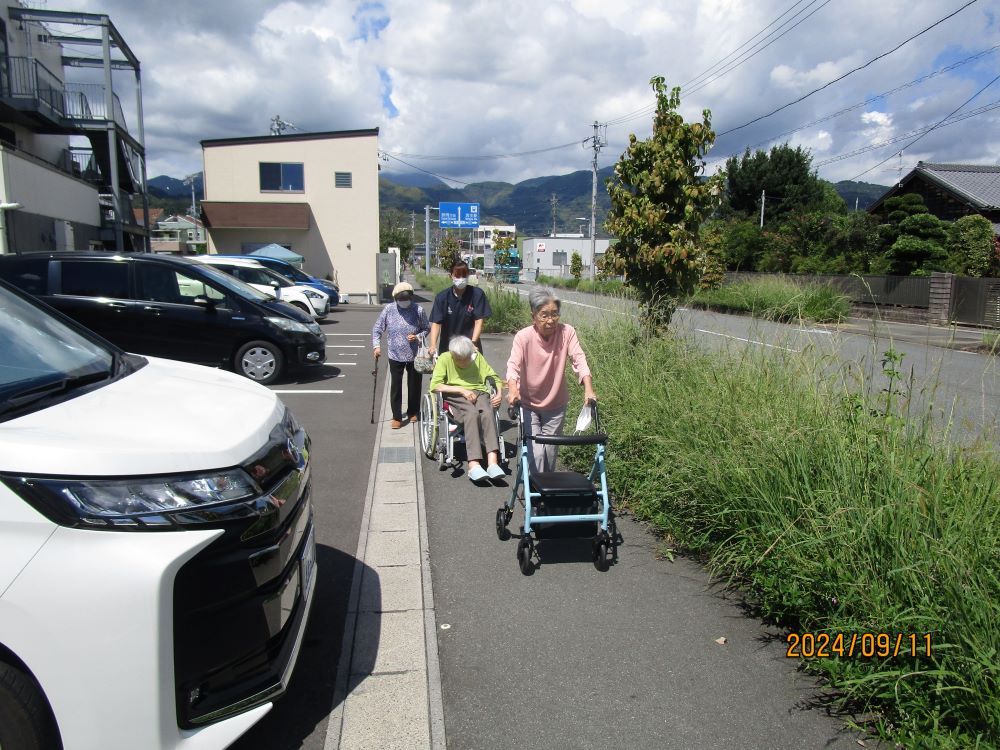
(458, 311)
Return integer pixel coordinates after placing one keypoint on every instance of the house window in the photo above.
(283, 177)
(558, 258)
(342, 179)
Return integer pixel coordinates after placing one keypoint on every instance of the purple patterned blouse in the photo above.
(396, 323)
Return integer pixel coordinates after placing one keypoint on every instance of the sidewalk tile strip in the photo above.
(388, 712)
(391, 588)
(389, 642)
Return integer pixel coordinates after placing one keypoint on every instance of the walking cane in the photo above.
(374, 388)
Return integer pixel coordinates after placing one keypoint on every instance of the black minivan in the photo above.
(172, 307)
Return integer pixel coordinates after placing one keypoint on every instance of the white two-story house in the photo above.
(313, 193)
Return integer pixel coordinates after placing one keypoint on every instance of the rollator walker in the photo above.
(560, 498)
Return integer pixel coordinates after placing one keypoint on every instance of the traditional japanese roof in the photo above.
(976, 185)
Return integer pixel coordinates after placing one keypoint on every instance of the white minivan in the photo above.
(156, 575)
(263, 279)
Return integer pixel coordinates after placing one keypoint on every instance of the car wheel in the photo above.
(303, 308)
(261, 361)
(25, 719)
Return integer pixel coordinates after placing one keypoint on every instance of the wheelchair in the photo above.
(440, 432)
(560, 504)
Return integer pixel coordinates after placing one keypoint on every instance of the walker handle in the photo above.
(513, 408)
(596, 439)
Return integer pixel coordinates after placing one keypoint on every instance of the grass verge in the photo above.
(776, 299)
(838, 513)
(611, 287)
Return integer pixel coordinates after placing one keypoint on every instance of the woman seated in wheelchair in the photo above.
(461, 376)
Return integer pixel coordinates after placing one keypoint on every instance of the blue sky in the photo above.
(468, 89)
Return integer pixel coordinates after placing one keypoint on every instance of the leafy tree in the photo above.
(576, 265)
(745, 245)
(920, 246)
(837, 243)
(477, 263)
(970, 245)
(786, 177)
(394, 231)
(712, 247)
(658, 200)
(449, 251)
(504, 241)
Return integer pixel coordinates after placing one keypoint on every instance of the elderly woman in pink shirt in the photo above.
(535, 373)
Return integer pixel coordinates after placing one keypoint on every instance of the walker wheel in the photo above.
(524, 551)
(503, 534)
(601, 553)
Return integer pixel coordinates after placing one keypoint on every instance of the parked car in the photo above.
(263, 279)
(165, 306)
(295, 274)
(155, 579)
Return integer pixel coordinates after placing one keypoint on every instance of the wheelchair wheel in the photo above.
(428, 425)
(600, 551)
(503, 518)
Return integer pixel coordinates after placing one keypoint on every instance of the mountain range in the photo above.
(536, 206)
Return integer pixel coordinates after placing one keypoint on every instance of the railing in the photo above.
(28, 79)
(85, 101)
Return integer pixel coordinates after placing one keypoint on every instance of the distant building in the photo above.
(178, 234)
(72, 171)
(484, 238)
(313, 193)
(951, 191)
(551, 256)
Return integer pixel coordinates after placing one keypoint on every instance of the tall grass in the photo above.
(837, 511)
(611, 287)
(510, 312)
(776, 299)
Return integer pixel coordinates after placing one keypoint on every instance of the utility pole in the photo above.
(554, 202)
(427, 240)
(763, 197)
(598, 142)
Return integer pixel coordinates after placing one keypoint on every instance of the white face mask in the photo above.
(460, 282)
(403, 303)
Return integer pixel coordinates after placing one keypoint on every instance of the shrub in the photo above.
(777, 299)
(831, 504)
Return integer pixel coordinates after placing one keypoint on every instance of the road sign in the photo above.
(459, 215)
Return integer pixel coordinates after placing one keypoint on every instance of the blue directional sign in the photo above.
(459, 215)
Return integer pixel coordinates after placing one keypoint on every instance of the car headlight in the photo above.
(314, 328)
(312, 295)
(287, 324)
(146, 502)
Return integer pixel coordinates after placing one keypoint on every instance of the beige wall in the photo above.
(343, 233)
(46, 191)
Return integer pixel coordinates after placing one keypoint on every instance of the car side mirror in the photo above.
(207, 303)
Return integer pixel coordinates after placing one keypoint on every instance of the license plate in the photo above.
(307, 565)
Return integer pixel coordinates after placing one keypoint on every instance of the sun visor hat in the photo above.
(401, 287)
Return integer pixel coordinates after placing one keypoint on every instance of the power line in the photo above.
(850, 72)
(722, 61)
(876, 97)
(917, 131)
(432, 174)
(648, 109)
(930, 129)
(737, 64)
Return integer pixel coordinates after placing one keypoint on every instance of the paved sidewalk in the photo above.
(388, 684)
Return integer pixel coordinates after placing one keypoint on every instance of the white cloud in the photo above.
(476, 77)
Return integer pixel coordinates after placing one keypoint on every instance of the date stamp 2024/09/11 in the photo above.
(865, 645)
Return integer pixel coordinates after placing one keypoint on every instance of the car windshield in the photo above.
(282, 281)
(233, 284)
(42, 356)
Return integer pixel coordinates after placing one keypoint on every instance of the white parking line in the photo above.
(749, 341)
(348, 334)
(305, 391)
(345, 346)
(340, 364)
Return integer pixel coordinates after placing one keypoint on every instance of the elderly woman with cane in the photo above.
(535, 373)
(461, 375)
(403, 323)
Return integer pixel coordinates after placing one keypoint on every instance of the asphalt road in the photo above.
(334, 405)
(574, 658)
